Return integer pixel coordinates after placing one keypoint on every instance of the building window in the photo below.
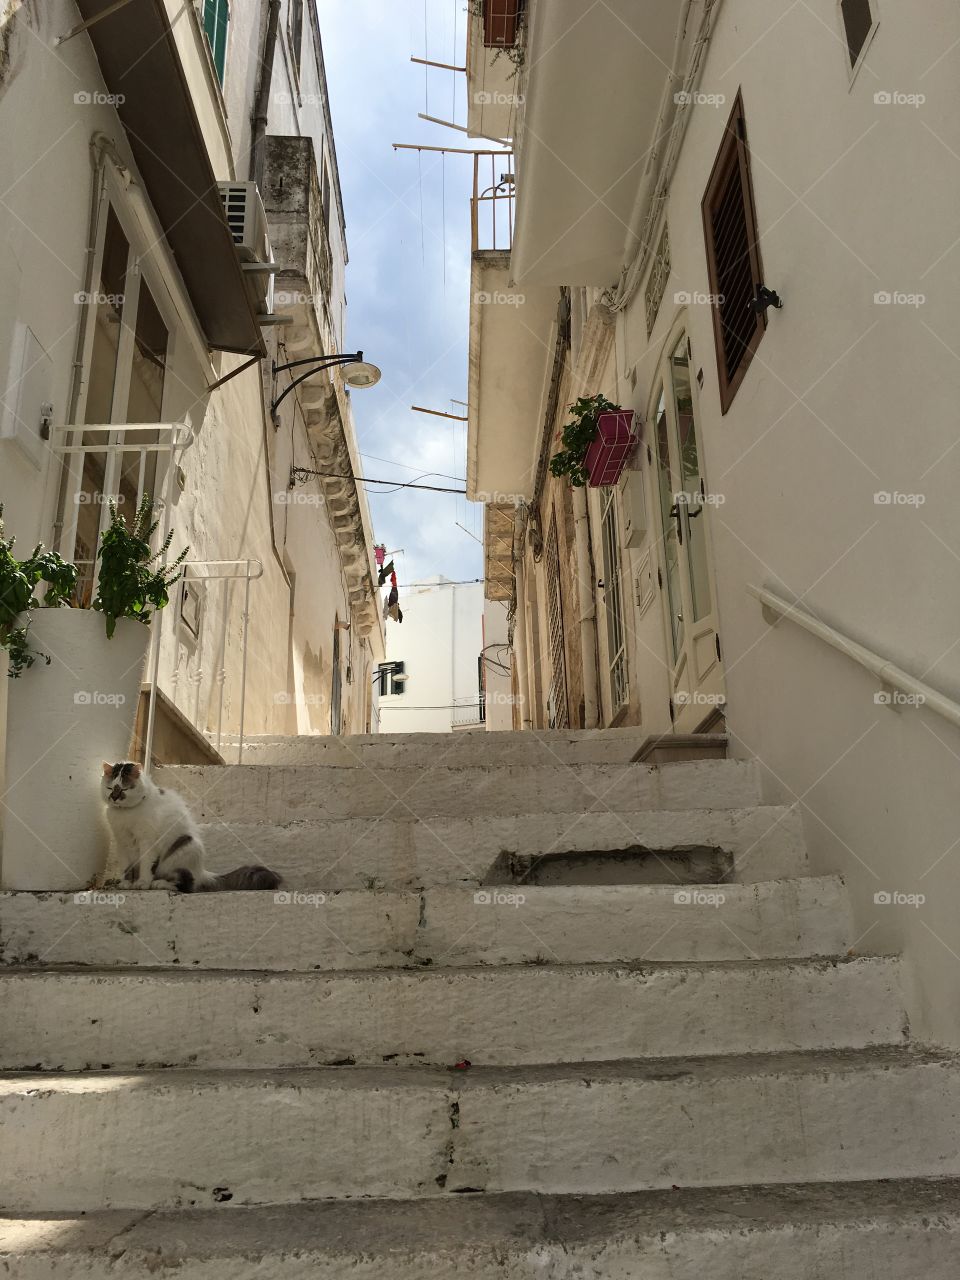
(501, 23)
(859, 19)
(392, 678)
(733, 257)
(216, 15)
(295, 31)
(125, 378)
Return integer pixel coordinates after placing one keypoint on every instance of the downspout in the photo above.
(520, 640)
(261, 104)
(588, 609)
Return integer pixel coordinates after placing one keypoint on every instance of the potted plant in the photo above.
(596, 443)
(78, 705)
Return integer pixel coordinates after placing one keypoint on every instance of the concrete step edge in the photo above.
(506, 1224)
(811, 964)
(460, 1082)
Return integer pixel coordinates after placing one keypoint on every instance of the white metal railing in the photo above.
(137, 438)
(468, 710)
(247, 571)
(889, 674)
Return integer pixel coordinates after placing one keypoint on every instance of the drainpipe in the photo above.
(520, 646)
(261, 104)
(588, 609)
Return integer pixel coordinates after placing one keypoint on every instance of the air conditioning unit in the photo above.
(247, 221)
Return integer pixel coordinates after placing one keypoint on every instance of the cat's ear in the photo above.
(107, 770)
(135, 772)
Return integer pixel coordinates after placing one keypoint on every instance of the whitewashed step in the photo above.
(425, 750)
(75, 1020)
(907, 1230)
(351, 930)
(175, 1139)
(404, 852)
(287, 793)
(509, 925)
(366, 929)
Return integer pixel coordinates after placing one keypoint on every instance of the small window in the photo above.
(392, 678)
(733, 257)
(859, 19)
(501, 23)
(216, 15)
(295, 30)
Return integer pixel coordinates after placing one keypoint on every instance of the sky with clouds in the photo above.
(408, 278)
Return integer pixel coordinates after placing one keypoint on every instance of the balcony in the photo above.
(298, 235)
(594, 85)
(492, 74)
(509, 340)
(469, 713)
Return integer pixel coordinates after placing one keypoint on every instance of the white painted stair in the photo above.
(666, 1078)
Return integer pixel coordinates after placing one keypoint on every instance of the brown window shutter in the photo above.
(857, 25)
(733, 257)
(501, 19)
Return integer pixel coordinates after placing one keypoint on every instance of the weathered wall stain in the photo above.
(17, 19)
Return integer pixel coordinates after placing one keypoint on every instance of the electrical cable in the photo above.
(399, 484)
(407, 467)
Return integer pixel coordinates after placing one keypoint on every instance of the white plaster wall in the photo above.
(236, 473)
(499, 688)
(439, 640)
(845, 399)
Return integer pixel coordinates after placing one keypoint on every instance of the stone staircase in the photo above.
(669, 1076)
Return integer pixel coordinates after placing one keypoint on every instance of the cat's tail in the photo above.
(250, 877)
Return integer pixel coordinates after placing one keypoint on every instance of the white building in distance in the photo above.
(431, 681)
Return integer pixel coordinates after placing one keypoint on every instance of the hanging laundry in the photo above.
(380, 553)
(391, 605)
(385, 572)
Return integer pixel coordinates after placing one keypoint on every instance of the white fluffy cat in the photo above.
(157, 841)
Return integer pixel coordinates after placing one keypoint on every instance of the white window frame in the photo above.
(142, 261)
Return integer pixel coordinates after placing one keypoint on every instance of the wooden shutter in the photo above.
(216, 15)
(501, 19)
(733, 257)
(857, 25)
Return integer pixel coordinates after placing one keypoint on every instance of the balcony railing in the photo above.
(469, 711)
(492, 204)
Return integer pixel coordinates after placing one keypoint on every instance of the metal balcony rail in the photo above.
(914, 692)
(492, 203)
(469, 711)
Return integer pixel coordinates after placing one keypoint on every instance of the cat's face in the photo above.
(121, 785)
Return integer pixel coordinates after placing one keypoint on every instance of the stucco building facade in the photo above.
(784, 529)
(173, 230)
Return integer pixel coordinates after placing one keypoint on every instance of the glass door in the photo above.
(689, 595)
(124, 377)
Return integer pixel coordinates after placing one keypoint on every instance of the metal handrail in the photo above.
(888, 673)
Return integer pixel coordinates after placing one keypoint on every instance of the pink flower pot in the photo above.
(607, 456)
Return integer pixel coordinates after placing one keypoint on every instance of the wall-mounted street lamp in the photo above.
(357, 373)
(394, 671)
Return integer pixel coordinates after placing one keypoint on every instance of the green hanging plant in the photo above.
(577, 437)
(18, 582)
(130, 581)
